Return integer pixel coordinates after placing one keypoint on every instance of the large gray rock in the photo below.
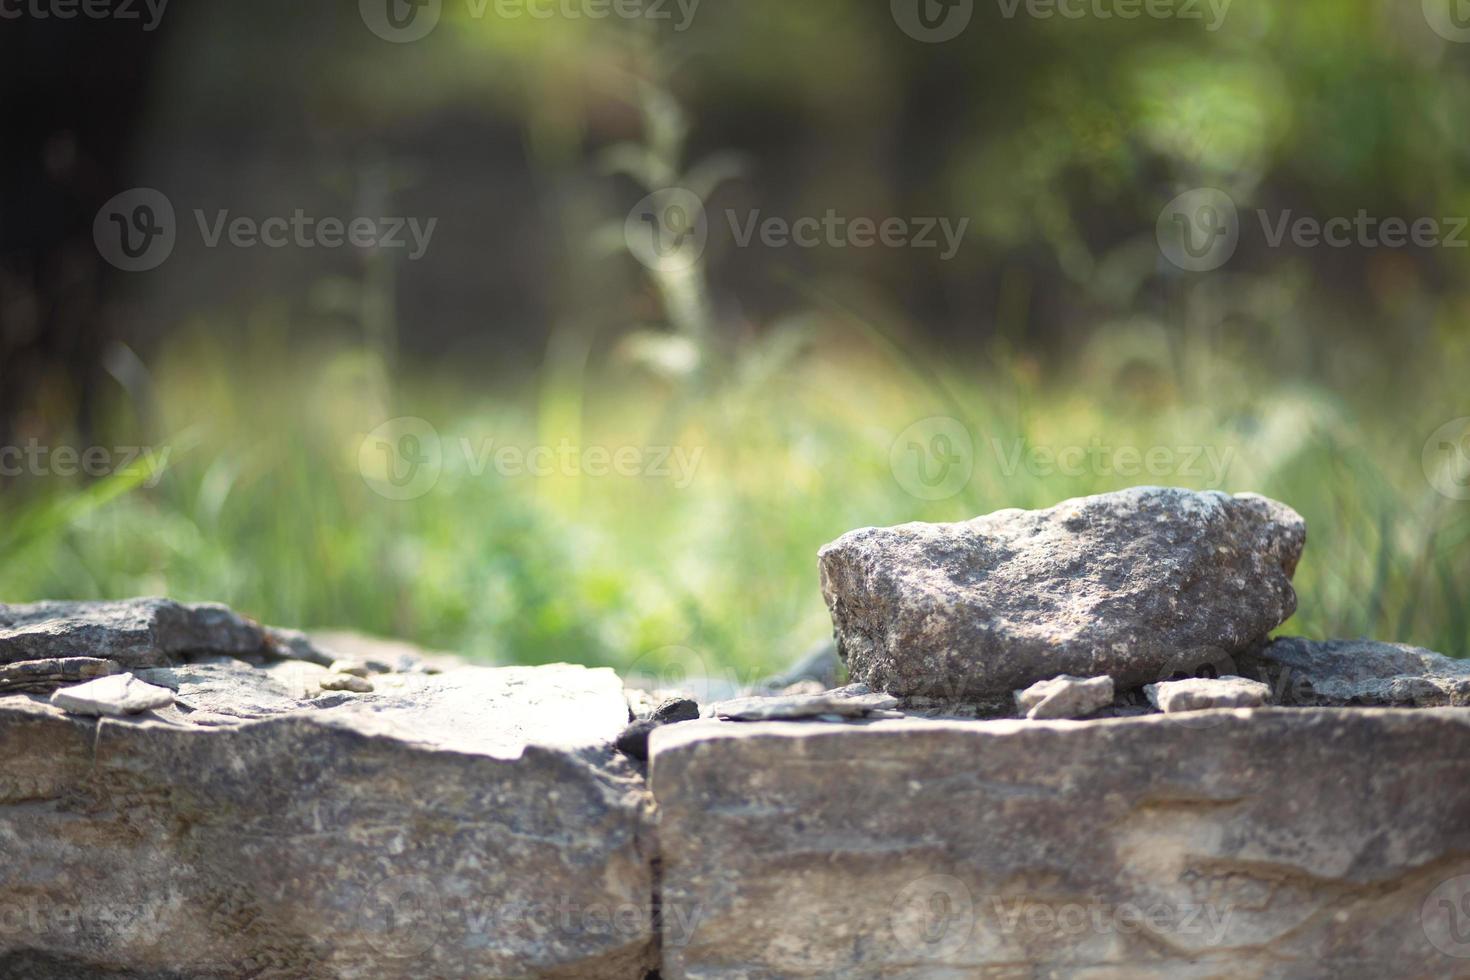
(1359, 672)
(474, 823)
(1124, 584)
(1278, 843)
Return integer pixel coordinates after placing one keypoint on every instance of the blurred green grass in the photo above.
(264, 505)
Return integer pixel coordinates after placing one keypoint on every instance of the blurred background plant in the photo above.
(1318, 374)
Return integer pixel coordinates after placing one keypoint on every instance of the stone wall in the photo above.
(186, 793)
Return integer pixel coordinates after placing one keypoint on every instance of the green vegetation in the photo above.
(264, 504)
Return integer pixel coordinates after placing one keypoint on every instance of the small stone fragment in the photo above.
(1065, 697)
(346, 682)
(676, 710)
(115, 696)
(633, 742)
(349, 667)
(44, 676)
(849, 702)
(1202, 693)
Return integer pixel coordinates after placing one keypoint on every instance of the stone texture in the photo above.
(1121, 584)
(474, 823)
(1065, 697)
(1202, 693)
(43, 676)
(1359, 672)
(133, 632)
(115, 696)
(855, 701)
(1276, 844)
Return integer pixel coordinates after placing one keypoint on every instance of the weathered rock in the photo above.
(1065, 697)
(855, 701)
(132, 632)
(1359, 672)
(114, 696)
(1283, 843)
(1118, 584)
(474, 823)
(1203, 693)
(41, 676)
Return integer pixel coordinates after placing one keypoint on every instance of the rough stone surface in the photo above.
(855, 701)
(132, 632)
(1202, 693)
(41, 676)
(1065, 697)
(1277, 843)
(1121, 584)
(1359, 672)
(474, 823)
(114, 696)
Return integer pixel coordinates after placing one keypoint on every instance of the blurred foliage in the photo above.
(1320, 373)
